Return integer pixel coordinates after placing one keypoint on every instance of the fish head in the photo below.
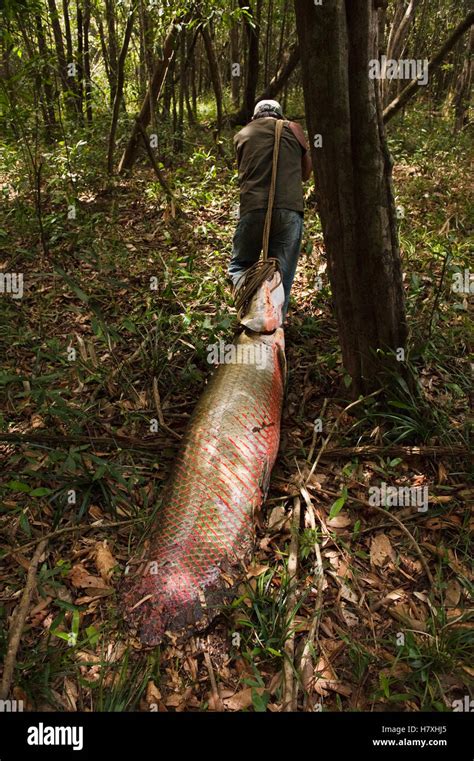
(262, 350)
(265, 310)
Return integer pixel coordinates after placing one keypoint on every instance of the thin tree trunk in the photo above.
(80, 58)
(268, 40)
(159, 75)
(289, 64)
(214, 71)
(148, 47)
(143, 69)
(110, 17)
(27, 36)
(179, 139)
(382, 18)
(397, 17)
(399, 32)
(252, 63)
(397, 40)
(103, 46)
(281, 43)
(412, 88)
(191, 45)
(155, 166)
(355, 197)
(200, 73)
(462, 95)
(193, 86)
(119, 90)
(60, 54)
(87, 63)
(45, 77)
(234, 59)
(71, 78)
(173, 106)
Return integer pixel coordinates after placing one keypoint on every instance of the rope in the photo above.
(265, 268)
(271, 194)
(253, 278)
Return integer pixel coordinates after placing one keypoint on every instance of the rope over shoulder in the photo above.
(266, 267)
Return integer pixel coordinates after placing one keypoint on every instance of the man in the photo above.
(254, 146)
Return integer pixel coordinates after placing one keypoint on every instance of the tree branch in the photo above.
(413, 87)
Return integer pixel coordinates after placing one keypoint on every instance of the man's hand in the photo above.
(306, 165)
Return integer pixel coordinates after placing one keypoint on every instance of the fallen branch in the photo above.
(399, 523)
(159, 411)
(18, 621)
(335, 424)
(216, 698)
(132, 357)
(371, 450)
(289, 689)
(122, 442)
(68, 530)
(306, 665)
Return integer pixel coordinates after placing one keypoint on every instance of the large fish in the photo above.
(205, 527)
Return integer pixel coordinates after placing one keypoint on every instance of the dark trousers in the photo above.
(285, 241)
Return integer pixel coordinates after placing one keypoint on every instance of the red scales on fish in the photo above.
(205, 526)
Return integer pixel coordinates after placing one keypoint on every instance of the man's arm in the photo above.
(306, 165)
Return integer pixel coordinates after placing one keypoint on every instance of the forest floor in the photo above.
(111, 333)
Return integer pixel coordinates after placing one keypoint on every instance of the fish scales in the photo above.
(205, 525)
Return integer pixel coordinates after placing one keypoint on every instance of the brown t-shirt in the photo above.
(254, 146)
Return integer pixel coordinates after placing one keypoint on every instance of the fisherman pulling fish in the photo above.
(204, 531)
(254, 148)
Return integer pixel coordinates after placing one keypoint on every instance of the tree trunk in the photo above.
(252, 63)
(179, 137)
(103, 45)
(190, 47)
(80, 58)
(289, 64)
(355, 197)
(71, 78)
(281, 43)
(382, 13)
(268, 42)
(462, 95)
(193, 86)
(60, 55)
(119, 90)
(214, 71)
(142, 67)
(397, 39)
(87, 62)
(235, 59)
(159, 75)
(110, 17)
(27, 36)
(46, 79)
